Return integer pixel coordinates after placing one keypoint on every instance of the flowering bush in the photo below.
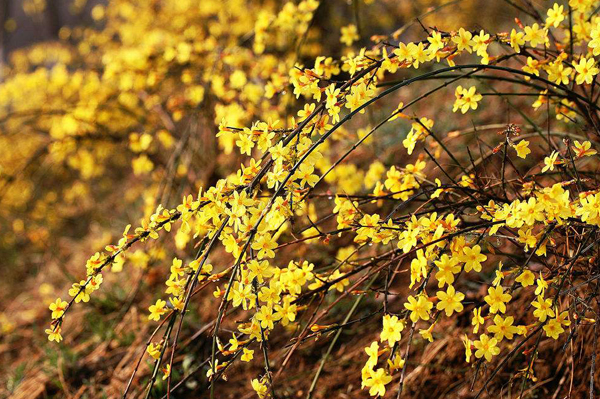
(364, 196)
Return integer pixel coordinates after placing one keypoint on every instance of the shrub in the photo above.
(441, 186)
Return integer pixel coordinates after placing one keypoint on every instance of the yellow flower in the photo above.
(54, 333)
(418, 54)
(392, 328)
(271, 294)
(373, 352)
(480, 43)
(245, 143)
(397, 363)
(563, 318)
(526, 278)
(157, 310)
(550, 161)
(238, 79)
(477, 320)
(248, 355)
(260, 388)
(175, 286)
(304, 174)
(497, 299)
(527, 238)
(264, 244)
(466, 99)
(418, 268)
(58, 308)
(261, 270)
(555, 15)
(234, 343)
(419, 308)
(530, 211)
(468, 353)
(516, 40)
(287, 311)
(594, 44)
(142, 165)
(543, 308)
(486, 347)
(534, 35)
(81, 294)
(448, 267)
(166, 372)
(532, 67)
(590, 208)
(241, 294)
(522, 148)
(176, 268)
(558, 74)
(349, 34)
(426, 334)
(499, 275)
(450, 301)
(503, 327)
(154, 350)
(435, 42)
(266, 317)
(553, 329)
(439, 191)
(542, 285)
(306, 111)
(586, 70)
(580, 5)
(463, 40)
(377, 382)
(472, 257)
(339, 286)
(583, 149)
(332, 96)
